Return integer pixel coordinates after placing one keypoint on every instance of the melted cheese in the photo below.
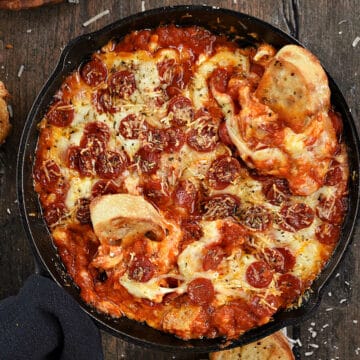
(286, 153)
(79, 188)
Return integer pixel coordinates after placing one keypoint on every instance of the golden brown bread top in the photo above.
(272, 347)
(24, 4)
(295, 86)
(121, 217)
(4, 114)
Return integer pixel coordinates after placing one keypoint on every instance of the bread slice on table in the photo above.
(4, 113)
(25, 4)
(272, 347)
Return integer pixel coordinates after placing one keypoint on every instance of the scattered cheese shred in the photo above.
(143, 5)
(21, 70)
(10, 110)
(96, 17)
(356, 41)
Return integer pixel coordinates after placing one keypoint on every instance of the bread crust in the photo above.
(25, 4)
(4, 113)
(122, 217)
(272, 347)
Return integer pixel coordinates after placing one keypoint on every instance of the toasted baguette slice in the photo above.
(25, 4)
(273, 347)
(122, 217)
(4, 114)
(295, 86)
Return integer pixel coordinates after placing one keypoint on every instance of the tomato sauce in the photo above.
(98, 267)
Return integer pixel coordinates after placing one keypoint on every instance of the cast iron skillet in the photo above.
(218, 21)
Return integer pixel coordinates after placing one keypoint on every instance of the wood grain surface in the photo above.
(34, 38)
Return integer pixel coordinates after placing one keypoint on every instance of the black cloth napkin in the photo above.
(45, 322)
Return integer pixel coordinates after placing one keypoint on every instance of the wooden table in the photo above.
(35, 38)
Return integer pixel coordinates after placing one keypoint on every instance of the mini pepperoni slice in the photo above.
(141, 269)
(280, 259)
(110, 164)
(72, 157)
(60, 114)
(131, 127)
(104, 102)
(95, 137)
(203, 136)
(181, 109)
(191, 228)
(83, 160)
(277, 191)
(201, 291)
(255, 218)
(174, 139)
(186, 195)
(290, 287)
(213, 257)
(296, 217)
(122, 84)
(327, 234)
(166, 70)
(334, 175)
(220, 206)
(234, 318)
(147, 160)
(155, 139)
(104, 187)
(223, 171)
(219, 79)
(173, 75)
(263, 308)
(83, 211)
(54, 212)
(232, 235)
(224, 134)
(47, 174)
(331, 209)
(155, 192)
(259, 274)
(93, 72)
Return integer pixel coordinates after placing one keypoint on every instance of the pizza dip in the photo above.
(192, 184)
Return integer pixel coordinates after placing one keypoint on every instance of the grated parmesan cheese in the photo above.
(21, 70)
(10, 110)
(356, 41)
(96, 17)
